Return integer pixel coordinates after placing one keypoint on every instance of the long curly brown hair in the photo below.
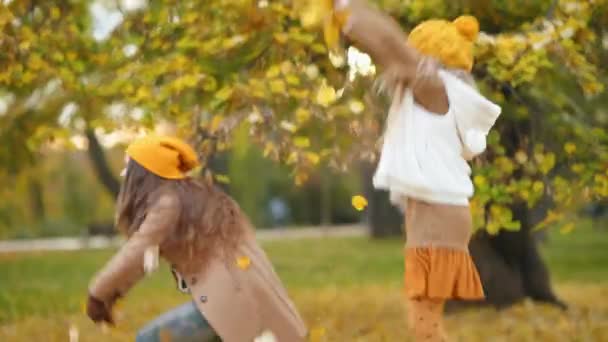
(210, 222)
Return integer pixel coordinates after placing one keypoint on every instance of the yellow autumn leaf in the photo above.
(313, 14)
(521, 157)
(301, 142)
(356, 106)
(278, 86)
(299, 94)
(302, 115)
(143, 93)
(273, 71)
(224, 179)
(55, 13)
(538, 186)
(71, 56)
(287, 67)
(215, 123)
(331, 33)
(269, 149)
(313, 158)
(292, 80)
(566, 229)
(319, 48)
(301, 178)
(359, 202)
(243, 262)
(326, 95)
(317, 334)
(570, 148)
(578, 168)
(224, 93)
(35, 62)
(479, 180)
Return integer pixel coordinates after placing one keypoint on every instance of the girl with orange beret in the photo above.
(437, 122)
(210, 244)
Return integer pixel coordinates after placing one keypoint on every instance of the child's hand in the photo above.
(98, 311)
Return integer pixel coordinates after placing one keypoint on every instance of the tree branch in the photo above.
(100, 164)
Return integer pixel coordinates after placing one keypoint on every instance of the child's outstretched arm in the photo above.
(127, 267)
(381, 37)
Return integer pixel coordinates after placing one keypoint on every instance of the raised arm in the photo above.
(381, 37)
(378, 35)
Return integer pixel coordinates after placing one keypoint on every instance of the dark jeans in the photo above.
(184, 323)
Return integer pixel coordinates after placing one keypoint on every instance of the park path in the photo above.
(99, 242)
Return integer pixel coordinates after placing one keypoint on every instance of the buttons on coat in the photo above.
(203, 299)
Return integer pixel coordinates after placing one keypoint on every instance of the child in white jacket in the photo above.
(437, 122)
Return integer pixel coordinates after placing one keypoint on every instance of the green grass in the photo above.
(324, 275)
(45, 283)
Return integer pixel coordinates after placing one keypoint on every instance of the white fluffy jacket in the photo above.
(424, 155)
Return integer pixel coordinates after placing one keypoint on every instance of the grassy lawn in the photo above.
(348, 289)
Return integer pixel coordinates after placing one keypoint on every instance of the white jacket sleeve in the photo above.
(475, 115)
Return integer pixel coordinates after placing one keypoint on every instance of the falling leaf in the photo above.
(266, 336)
(326, 95)
(356, 106)
(243, 262)
(255, 116)
(73, 333)
(151, 259)
(359, 202)
(224, 179)
(331, 33)
(337, 58)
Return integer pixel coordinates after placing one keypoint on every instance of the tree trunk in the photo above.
(383, 218)
(100, 164)
(36, 199)
(325, 197)
(510, 266)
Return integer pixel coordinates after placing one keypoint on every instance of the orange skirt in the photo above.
(441, 273)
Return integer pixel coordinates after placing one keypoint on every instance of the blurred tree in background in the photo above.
(251, 79)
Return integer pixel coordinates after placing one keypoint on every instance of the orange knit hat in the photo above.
(449, 42)
(164, 156)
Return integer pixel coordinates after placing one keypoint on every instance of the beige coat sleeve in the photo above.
(126, 268)
(381, 37)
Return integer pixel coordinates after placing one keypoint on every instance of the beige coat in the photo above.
(241, 301)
